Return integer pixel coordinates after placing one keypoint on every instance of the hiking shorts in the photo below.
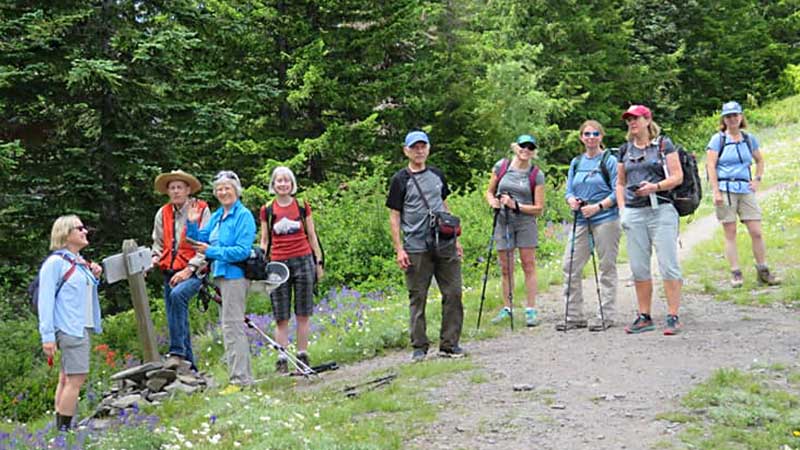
(302, 274)
(74, 352)
(743, 205)
(522, 230)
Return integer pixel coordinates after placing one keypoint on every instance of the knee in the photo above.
(529, 266)
(756, 235)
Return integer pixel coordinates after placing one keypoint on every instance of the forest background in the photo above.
(97, 98)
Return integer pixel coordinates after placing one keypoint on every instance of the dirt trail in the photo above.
(597, 390)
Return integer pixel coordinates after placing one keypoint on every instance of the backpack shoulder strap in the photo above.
(746, 138)
(270, 215)
(604, 170)
(72, 266)
(722, 139)
(534, 172)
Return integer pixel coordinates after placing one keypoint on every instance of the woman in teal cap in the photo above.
(516, 192)
(730, 153)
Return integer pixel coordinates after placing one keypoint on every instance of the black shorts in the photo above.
(301, 281)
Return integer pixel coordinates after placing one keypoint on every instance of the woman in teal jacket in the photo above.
(226, 239)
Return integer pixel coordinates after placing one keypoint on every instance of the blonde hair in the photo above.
(653, 130)
(596, 125)
(723, 127)
(282, 170)
(62, 227)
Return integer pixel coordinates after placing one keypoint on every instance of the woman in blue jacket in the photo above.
(592, 197)
(729, 155)
(226, 239)
(69, 310)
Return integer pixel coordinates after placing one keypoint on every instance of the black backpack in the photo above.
(33, 287)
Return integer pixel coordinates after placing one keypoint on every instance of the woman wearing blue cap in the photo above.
(516, 190)
(730, 153)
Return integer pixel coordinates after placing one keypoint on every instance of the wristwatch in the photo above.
(600, 204)
(758, 177)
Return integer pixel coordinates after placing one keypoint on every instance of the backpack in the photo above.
(270, 215)
(532, 173)
(33, 287)
(686, 196)
(576, 161)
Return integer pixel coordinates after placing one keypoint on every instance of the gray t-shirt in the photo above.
(414, 218)
(517, 183)
(644, 165)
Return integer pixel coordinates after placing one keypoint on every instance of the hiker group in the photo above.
(642, 191)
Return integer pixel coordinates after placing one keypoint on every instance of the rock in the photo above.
(128, 385)
(189, 380)
(460, 429)
(557, 406)
(180, 387)
(167, 374)
(157, 396)
(523, 387)
(155, 384)
(126, 401)
(137, 372)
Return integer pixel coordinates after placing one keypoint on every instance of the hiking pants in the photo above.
(445, 265)
(237, 347)
(606, 243)
(646, 228)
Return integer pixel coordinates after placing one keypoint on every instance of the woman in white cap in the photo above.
(730, 155)
(516, 192)
(648, 168)
(227, 239)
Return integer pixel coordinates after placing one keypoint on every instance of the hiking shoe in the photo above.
(504, 314)
(737, 280)
(765, 277)
(418, 355)
(303, 358)
(641, 324)
(530, 317)
(571, 325)
(673, 326)
(455, 352)
(282, 366)
(601, 325)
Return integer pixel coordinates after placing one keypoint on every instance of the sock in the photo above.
(646, 316)
(63, 423)
(507, 308)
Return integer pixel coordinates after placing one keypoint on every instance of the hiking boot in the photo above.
(571, 325)
(178, 364)
(737, 280)
(601, 325)
(303, 358)
(504, 314)
(765, 277)
(642, 323)
(673, 326)
(530, 317)
(455, 352)
(418, 355)
(282, 366)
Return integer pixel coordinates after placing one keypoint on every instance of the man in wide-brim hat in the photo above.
(178, 261)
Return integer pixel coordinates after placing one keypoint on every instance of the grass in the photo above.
(755, 409)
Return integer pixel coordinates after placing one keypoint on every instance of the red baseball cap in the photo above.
(637, 111)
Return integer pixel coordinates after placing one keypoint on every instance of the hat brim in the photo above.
(163, 180)
(415, 142)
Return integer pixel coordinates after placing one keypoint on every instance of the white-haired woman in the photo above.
(227, 239)
(69, 309)
(288, 236)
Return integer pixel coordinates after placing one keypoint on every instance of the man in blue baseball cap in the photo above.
(415, 194)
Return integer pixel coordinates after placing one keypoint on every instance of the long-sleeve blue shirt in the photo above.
(67, 311)
(230, 239)
(585, 181)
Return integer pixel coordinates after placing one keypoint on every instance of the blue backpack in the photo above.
(33, 288)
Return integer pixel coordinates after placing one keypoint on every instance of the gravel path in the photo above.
(596, 390)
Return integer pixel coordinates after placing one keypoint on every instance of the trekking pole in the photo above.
(569, 273)
(596, 281)
(509, 261)
(301, 367)
(486, 272)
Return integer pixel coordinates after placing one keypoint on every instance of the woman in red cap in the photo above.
(648, 168)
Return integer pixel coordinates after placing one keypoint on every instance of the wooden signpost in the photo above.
(132, 264)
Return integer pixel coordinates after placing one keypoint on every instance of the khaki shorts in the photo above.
(743, 205)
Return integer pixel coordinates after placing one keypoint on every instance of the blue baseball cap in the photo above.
(526, 139)
(416, 136)
(731, 108)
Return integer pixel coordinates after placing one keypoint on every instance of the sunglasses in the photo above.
(637, 159)
(226, 175)
(591, 134)
(81, 228)
(528, 146)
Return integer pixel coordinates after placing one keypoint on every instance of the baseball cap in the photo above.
(416, 136)
(637, 111)
(526, 139)
(731, 108)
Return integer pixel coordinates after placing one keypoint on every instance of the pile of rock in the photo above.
(148, 384)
